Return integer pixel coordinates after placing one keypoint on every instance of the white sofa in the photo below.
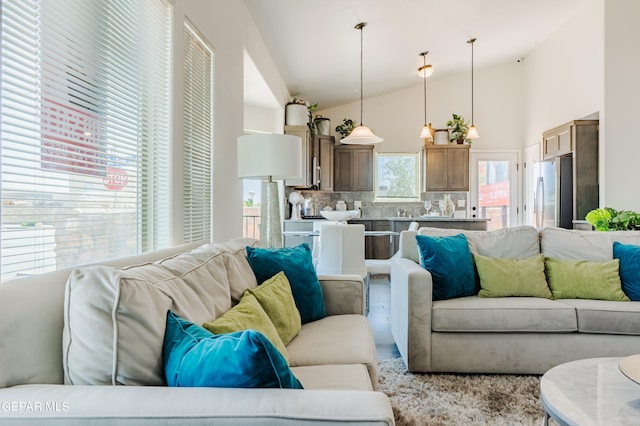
(334, 358)
(523, 335)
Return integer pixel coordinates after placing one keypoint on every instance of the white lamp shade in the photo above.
(426, 133)
(263, 156)
(473, 133)
(361, 135)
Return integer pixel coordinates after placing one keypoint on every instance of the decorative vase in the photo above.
(449, 207)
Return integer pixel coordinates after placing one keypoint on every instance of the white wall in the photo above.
(229, 29)
(621, 147)
(398, 117)
(564, 75)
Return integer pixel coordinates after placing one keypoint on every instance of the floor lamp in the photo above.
(270, 157)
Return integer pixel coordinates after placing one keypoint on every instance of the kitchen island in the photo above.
(383, 248)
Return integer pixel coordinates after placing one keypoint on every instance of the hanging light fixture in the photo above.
(425, 71)
(361, 135)
(473, 132)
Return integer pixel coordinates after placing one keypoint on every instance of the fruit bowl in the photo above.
(340, 215)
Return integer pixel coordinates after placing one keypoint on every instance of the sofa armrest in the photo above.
(411, 288)
(148, 405)
(343, 294)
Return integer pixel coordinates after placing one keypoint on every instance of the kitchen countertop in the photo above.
(404, 219)
(434, 218)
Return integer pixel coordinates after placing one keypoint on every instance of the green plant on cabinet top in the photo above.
(458, 129)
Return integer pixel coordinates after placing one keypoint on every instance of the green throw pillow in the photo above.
(247, 315)
(276, 299)
(582, 279)
(502, 277)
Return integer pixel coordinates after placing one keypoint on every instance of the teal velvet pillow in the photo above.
(245, 359)
(629, 257)
(297, 265)
(450, 263)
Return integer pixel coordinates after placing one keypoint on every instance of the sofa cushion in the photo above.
(505, 314)
(606, 317)
(317, 342)
(449, 261)
(500, 277)
(114, 318)
(247, 315)
(582, 279)
(239, 271)
(297, 265)
(562, 243)
(519, 242)
(629, 256)
(194, 357)
(334, 377)
(275, 297)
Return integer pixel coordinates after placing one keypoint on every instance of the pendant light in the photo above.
(425, 71)
(361, 135)
(473, 132)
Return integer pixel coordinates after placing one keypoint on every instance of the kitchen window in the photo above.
(397, 177)
(85, 132)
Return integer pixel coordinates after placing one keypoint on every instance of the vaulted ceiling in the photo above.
(317, 49)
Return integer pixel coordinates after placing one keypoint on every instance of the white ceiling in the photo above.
(317, 50)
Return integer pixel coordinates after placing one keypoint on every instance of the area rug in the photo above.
(460, 399)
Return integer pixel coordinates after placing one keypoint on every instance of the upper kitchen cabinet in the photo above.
(303, 133)
(578, 139)
(446, 167)
(353, 168)
(317, 160)
(322, 162)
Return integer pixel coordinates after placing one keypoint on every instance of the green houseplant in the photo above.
(458, 129)
(608, 219)
(346, 127)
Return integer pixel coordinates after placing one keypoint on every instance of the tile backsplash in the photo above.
(372, 209)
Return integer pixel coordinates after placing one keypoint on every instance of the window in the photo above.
(198, 135)
(397, 177)
(85, 132)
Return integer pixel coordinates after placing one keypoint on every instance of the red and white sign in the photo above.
(494, 194)
(116, 179)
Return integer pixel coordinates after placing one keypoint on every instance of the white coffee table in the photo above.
(590, 392)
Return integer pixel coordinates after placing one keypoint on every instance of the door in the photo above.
(494, 187)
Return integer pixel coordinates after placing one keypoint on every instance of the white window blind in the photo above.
(85, 131)
(198, 135)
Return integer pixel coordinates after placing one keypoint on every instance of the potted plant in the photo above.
(608, 219)
(300, 112)
(346, 127)
(458, 129)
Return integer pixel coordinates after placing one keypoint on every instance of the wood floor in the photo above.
(380, 317)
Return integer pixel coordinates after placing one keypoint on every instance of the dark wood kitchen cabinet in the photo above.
(446, 167)
(353, 168)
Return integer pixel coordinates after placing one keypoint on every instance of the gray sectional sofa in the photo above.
(102, 329)
(525, 335)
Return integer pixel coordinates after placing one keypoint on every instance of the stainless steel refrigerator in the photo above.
(553, 198)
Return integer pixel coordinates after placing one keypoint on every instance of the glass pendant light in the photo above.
(425, 71)
(361, 135)
(473, 132)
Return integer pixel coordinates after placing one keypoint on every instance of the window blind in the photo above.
(198, 135)
(85, 131)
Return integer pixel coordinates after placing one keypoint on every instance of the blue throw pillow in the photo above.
(451, 265)
(629, 257)
(245, 359)
(297, 265)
